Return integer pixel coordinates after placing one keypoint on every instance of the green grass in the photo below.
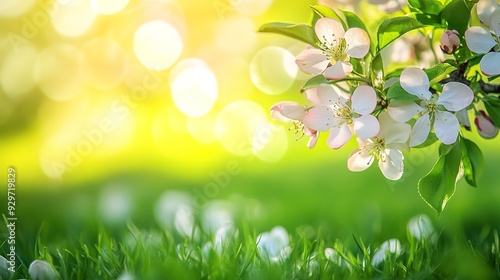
(156, 254)
(353, 214)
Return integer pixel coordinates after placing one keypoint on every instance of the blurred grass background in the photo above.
(185, 107)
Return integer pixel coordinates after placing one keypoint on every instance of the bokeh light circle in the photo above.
(251, 7)
(168, 205)
(58, 72)
(115, 204)
(157, 44)
(14, 74)
(105, 63)
(270, 142)
(72, 18)
(236, 125)
(194, 90)
(273, 70)
(108, 7)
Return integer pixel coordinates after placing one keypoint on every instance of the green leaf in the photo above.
(394, 73)
(439, 72)
(473, 161)
(493, 109)
(437, 187)
(302, 32)
(377, 71)
(431, 20)
(352, 20)
(457, 15)
(315, 82)
(431, 139)
(328, 12)
(426, 6)
(393, 28)
(398, 93)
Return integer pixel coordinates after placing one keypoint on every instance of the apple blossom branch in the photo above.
(459, 75)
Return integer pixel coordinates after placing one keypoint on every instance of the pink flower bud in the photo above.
(450, 41)
(485, 126)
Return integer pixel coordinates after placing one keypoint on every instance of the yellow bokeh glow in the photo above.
(105, 63)
(270, 142)
(237, 124)
(14, 8)
(108, 7)
(58, 72)
(273, 70)
(251, 7)
(157, 44)
(13, 74)
(194, 90)
(202, 129)
(72, 18)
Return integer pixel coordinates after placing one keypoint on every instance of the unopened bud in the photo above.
(450, 41)
(485, 126)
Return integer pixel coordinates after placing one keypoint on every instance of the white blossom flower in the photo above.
(420, 227)
(485, 9)
(336, 258)
(432, 109)
(288, 111)
(391, 246)
(274, 244)
(335, 49)
(386, 147)
(342, 114)
(4, 268)
(481, 41)
(41, 270)
(126, 276)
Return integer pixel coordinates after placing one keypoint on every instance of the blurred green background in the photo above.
(105, 105)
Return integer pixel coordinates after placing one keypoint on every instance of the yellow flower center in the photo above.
(335, 50)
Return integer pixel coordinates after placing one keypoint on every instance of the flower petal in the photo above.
(366, 126)
(358, 42)
(312, 61)
(319, 118)
(479, 40)
(364, 100)
(359, 160)
(339, 135)
(495, 22)
(325, 95)
(490, 64)
(287, 111)
(338, 70)
(463, 118)
(403, 111)
(485, 8)
(392, 166)
(455, 96)
(312, 140)
(329, 30)
(420, 130)
(392, 131)
(415, 81)
(446, 127)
